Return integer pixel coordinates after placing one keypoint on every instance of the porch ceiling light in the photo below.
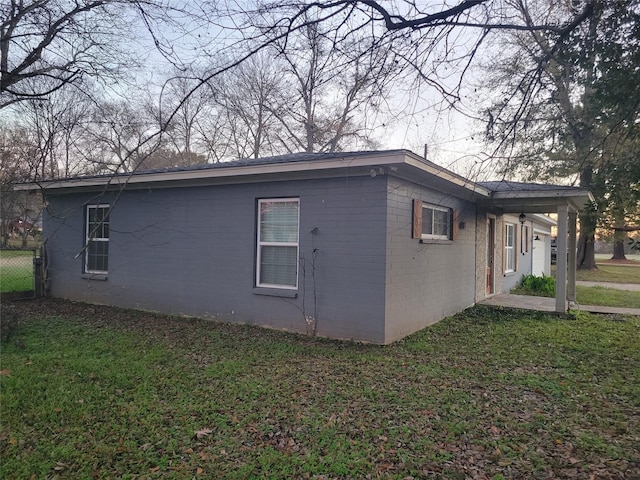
(522, 217)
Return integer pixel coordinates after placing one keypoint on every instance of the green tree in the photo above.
(571, 108)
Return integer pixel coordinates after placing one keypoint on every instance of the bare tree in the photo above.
(250, 97)
(186, 110)
(333, 80)
(122, 137)
(64, 41)
(18, 163)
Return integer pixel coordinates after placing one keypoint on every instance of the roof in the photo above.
(509, 196)
(400, 163)
(524, 197)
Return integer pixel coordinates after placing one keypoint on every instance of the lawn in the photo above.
(597, 295)
(97, 392)
(611, 273)
(16, 270)
(607, 297)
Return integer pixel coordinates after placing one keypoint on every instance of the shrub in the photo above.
(540, 286)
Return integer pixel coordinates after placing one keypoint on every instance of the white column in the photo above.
(571, 276)
(561, 259)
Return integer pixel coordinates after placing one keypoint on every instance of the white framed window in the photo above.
(436, 222)
(278, 232)
(509, 248)
(97, 239)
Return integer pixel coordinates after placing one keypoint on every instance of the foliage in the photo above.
(490, 393)
(570, 108)
(543, 286)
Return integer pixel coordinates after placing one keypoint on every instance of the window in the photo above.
(432, 222)
(97, 237)
(277, 256)
(509, 248)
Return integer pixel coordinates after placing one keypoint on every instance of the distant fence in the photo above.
(18, 273)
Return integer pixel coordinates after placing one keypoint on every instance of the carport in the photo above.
(520, 199)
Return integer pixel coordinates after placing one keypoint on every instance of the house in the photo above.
(369, 246)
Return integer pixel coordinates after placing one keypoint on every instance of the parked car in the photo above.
(554, 249)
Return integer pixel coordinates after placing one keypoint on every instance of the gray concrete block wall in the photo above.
(425, 282)
(192, 251)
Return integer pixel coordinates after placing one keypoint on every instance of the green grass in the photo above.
(16, 270)
(96, 392)
(610, 273)
(607, 297)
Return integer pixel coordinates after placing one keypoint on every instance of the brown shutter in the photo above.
(455, 226)
(417, 218)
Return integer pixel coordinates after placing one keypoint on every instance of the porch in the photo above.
(519, 198)
(548, 304)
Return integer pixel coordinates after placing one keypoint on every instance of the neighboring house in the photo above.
(369, 246)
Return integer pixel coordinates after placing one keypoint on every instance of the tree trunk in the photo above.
(619, 237)
(586, 255)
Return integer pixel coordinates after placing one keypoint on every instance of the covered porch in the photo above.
(546, 304)
(521, 199)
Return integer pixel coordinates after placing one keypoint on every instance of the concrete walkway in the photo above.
(546, 304)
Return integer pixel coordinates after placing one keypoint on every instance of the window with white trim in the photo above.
(436, 222)
(510, 248)
(97, 238)
(277, 255)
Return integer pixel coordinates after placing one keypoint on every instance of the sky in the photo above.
(452, 139)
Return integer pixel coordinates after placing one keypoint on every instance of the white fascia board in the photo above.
(559, 193)
(221, 172)
(576, 199)
(449, 176)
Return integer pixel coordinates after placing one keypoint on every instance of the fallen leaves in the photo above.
(200, 434)
(460, 405)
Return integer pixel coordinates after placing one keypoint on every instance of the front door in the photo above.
(491, 249)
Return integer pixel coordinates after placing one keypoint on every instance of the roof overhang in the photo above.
(400, 163)
(537, 201)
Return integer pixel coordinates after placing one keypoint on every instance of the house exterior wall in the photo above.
(425, 282)
(192, 251)
(523, 255)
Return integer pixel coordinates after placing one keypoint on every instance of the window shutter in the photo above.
(417, 218)
(454, 227)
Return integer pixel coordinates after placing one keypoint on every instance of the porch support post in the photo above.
(571, 276)
(561, 259)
